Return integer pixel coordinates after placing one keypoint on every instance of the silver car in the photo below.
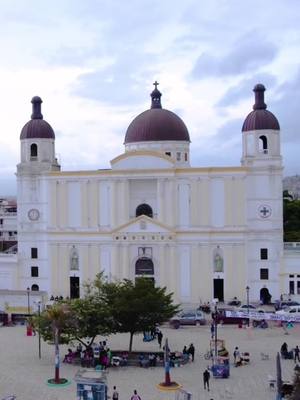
(194, 317)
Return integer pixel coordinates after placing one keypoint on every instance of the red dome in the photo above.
(156, 124)
(260, 117)
(37, 128)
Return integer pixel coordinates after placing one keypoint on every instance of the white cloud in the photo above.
(93, 64)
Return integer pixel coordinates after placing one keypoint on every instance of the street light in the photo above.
(28, 301)
(247, 290)
(39, 324)
(216, 328)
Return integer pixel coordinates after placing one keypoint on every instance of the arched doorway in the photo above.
(265, 295)
(144, 267)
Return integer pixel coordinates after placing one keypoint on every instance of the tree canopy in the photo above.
(291, 219)
(109, 308)
(138, 307)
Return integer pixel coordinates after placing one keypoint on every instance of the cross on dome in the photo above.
(155, 96)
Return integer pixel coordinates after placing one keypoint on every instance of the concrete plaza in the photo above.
(23, 374)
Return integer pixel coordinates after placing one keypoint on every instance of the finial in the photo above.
(36, 108)
(259, 97)
(156, 95)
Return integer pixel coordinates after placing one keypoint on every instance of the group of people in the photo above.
(290, 355)
(97, 355)
(147, 361)
(155, 332)
(189, 352)
(115, 395)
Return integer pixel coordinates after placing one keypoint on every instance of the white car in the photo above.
(250, 307)
(292, 310)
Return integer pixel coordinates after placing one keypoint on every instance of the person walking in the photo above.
(296, 354)
(135, 396)
(236, 355)
(115, 395)
(212, 330)
(191, 351)
(206, 377)
(159, 338)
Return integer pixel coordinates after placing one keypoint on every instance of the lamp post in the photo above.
(39, 325)
(216, 328)
(28, 301)
(247, 290)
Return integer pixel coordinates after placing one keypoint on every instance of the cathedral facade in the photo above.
(204, 232)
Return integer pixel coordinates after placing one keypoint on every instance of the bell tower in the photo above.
(37, 158)
(262, 158)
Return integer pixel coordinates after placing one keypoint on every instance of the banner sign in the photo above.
(260, 316)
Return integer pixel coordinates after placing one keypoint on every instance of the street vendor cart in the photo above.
(220, 360)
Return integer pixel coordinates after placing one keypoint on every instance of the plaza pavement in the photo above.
(23, 374)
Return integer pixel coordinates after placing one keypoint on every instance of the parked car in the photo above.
(291, 310)
(281, 305)
(224, 319)
(193, 317)
(234, 302)
(244, 307)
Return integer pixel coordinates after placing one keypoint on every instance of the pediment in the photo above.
(143, 224)
(142, 159)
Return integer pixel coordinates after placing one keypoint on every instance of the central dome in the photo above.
(157, 124)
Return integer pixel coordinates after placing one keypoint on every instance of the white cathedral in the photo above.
(204, 232)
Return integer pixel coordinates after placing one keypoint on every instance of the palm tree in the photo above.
(58, 315)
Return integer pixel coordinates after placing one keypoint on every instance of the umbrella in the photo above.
(278, 376)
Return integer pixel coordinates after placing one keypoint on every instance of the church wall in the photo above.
(74, 204)
(217, 202)
(104, 203)
(105, 261)
(204, 202)
(235, 276)
(183, 254)
(92, 204)
(142, 191)
(204, 274)
(194, 203)
(184, 204)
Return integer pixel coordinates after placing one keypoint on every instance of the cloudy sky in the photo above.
(94, 62)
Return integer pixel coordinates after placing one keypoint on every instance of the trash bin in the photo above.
(29, 330)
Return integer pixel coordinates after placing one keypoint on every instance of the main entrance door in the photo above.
(219, 289)
(74, 287)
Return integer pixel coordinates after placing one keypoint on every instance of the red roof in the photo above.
(260, 117)
(37, 128)
(157, 124)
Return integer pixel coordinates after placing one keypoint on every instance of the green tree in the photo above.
(54, 324)
(137, 307)
(291, 220)
(89, 316)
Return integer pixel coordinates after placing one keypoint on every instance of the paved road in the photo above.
(23, 374)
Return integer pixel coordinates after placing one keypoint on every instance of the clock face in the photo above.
(33, 214)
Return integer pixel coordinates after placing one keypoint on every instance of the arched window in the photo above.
(74, 259)
(144, 266)
(263, 144)
(144, 209)
(218, 260)
(33, 151)
(35, 288)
